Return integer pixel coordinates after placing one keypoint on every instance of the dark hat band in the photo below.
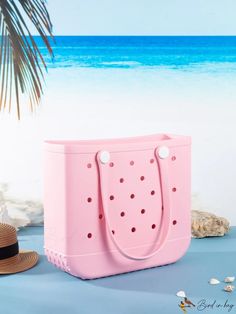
(9, 251)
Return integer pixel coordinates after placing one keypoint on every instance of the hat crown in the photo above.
(7, 235)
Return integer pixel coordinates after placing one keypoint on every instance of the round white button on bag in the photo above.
(163, 152)
(104, 156)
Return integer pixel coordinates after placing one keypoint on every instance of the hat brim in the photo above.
(25, 261)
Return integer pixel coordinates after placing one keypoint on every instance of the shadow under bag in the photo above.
(114, 206)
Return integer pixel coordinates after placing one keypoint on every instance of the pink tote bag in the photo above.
(115, 206)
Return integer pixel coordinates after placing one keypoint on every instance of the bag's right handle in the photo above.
(161, 154)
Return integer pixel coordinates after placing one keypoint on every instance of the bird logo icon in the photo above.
(185, 303)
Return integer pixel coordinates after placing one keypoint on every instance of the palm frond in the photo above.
(21, 61)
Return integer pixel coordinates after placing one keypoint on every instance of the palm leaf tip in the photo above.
(21, 62)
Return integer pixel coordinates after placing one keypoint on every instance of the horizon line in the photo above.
(67, 35)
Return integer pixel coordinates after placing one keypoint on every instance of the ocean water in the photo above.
(201, 53)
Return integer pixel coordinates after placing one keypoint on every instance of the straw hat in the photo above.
(11, 259)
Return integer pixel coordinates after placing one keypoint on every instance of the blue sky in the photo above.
(143, 17)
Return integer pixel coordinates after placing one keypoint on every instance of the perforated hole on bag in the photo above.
(142, 178)
(89, 165)
(174, 189)
(174, 222)
(89, 199)
(122, 180)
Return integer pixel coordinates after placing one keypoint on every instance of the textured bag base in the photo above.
(103, 264)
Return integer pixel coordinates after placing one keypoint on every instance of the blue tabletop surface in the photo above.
(45, 289)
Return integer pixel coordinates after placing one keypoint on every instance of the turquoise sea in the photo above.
(205, 53)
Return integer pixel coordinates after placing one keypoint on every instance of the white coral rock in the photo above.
(205, 224)
(19, 213)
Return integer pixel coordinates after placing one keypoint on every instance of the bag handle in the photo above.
(161, 154)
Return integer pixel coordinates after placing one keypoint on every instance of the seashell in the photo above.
(229, 288)
(214, 281)
(229, 279)
(181, 294)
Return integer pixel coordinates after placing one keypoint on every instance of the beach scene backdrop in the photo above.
(118, 86)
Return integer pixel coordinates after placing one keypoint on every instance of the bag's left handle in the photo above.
(161, 154)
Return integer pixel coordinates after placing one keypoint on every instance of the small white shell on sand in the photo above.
(229, 288)
(181, 294)
(229, 279)
(214, 281)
